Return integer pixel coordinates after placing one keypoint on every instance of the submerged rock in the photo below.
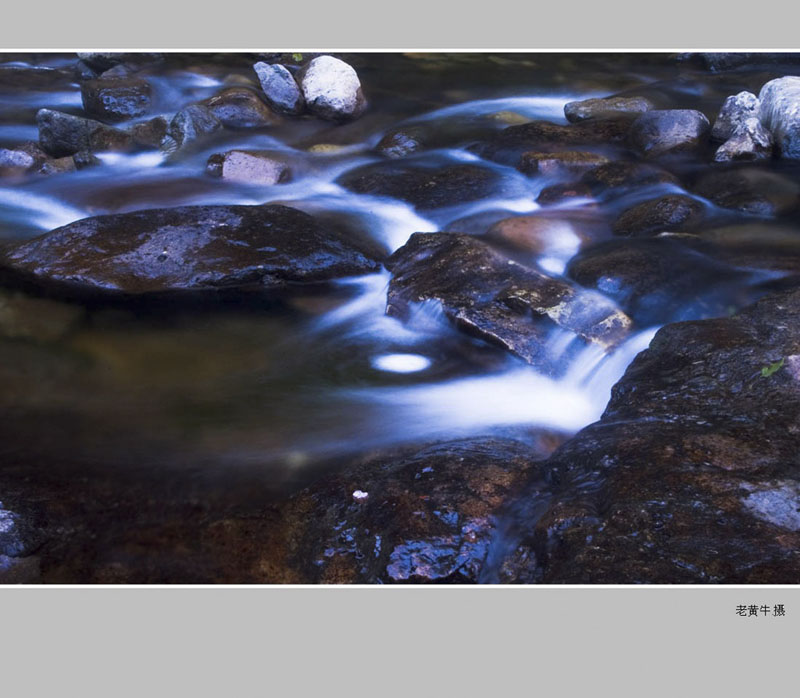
(607, 107)
(750, 189)
(495, 298)
(280, 88)
(659, 280)
(63, 134)
(332, 90)
(560, 163)
(191, 248)
(749, 141)
(671, 213)
(735, 111)
(779, 111)
(556, 236)
(116, 99)
(664, 131)
(401, 142)
(691, 475)
(423, 187)
(241, 107)
(248, 166)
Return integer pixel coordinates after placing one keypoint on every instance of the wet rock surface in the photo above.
(424, 187)
(735, 111)
(666, 131)
(749, 141)
(606, 108)
(63, 134)
(189, 249)
(280, 88)
(560, 163)
(424, 516)
(659, 280)
(750, 189)
(671, 213)
(116, 99)
(495, 298)
(691, 474)
(240, 107)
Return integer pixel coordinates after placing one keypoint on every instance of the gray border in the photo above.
(412, 641)
(352, 24)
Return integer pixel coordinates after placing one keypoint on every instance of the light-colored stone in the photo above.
(250, 167)
(749, 141)
(780, 113)
(280, 88)
(735, 110)
(332, 89)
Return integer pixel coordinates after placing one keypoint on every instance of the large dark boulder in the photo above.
(63, 134)
(693, 473)
(425, 515)
(191, 248)
(493, 297)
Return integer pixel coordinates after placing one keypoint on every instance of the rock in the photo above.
(101, 61)
(190, 248)
(280, 88)
(63, 134)
(735, 111)
(425, 188)
(428, 515)
(665, 131)
(58, 166)
(659, 280)
(508, 144)
(14, 162)
(625, 177)
(671, 213)
(21, 159)
(557, 193)
(116, 99)
(749, 141)
(241, 107)
(750, 189)
(605, 108)
(191, 124)
(248, 166)
(401, 142)
(149, 133)
(495, 298)
(559, 163)
(332, 90)
(780, 113)
(691, 475)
